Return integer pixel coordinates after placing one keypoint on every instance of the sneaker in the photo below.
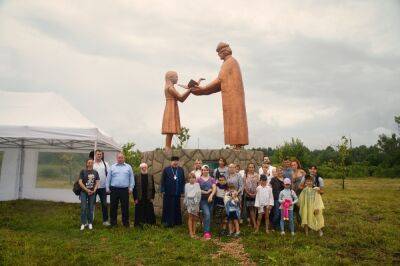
(237, 234)
(283, 233)
(82, 227)
(207, 235)
(90, 226)
(292, 233)
(106, 223)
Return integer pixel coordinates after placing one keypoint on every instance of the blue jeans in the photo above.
(276, 214)
(87, 206)
(206, 208)
(291, 221)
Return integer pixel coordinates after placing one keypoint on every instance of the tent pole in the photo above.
(21, 169)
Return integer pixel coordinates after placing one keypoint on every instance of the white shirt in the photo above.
(197, 173)
(264, 196)
(99, 167)
(269, 171)
(241, 173)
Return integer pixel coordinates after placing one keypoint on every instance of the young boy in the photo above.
(232, 207)
(287, 195)
(311, 207)
(264, 202)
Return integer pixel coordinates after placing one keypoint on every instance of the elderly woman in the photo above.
(143, 195)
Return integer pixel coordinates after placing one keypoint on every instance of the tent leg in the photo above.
(95, 148)
(21, 169)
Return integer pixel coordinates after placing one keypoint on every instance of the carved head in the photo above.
(171, 76)
(223, 50)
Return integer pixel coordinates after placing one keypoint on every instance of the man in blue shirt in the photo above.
(120, 183)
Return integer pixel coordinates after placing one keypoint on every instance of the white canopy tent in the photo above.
(33, 122)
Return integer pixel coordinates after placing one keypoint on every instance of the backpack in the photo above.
(76, 188)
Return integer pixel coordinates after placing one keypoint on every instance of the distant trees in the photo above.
(293, 149)
(381, 159)
(132, 156)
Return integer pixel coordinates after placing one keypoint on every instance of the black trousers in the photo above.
(119, 195)
(101, 192)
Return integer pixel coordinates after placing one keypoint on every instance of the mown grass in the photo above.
(362, 227)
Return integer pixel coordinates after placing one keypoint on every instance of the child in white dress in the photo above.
(264, 202)
(192, 202)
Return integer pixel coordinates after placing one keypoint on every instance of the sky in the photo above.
(313, 70)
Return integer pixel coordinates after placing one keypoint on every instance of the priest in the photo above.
(172, 187)
(143, 195)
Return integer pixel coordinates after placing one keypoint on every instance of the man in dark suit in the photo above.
(172, 187)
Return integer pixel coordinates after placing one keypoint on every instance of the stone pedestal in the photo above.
(158, 159)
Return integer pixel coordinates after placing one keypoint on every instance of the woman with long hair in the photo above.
(250, 190)
(208, 189)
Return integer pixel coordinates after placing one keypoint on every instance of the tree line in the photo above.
(380, 160)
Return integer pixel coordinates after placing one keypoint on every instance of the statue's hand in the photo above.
(196, 90)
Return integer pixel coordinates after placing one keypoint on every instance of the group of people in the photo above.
(229, 196)
(272, 195)
(118, 181)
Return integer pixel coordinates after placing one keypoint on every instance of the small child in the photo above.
(264, 202)
(219, 206)
(232, 206)
(311, 207)
(287, 195)
(192, 202)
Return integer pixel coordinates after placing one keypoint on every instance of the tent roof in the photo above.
(45, 120)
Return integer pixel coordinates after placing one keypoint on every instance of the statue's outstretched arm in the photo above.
(212, 87)
(180, 97)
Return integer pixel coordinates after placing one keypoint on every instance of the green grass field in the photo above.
(362, 227)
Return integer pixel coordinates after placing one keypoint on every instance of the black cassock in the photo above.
(172, 185)
(144, 192)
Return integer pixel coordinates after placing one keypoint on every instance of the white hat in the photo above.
(205, 166)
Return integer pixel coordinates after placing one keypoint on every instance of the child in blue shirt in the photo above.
(287, 195)
(232, 207)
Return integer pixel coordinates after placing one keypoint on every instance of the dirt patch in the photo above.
(234, 249)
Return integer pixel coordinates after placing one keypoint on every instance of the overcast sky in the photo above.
(312, 70)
